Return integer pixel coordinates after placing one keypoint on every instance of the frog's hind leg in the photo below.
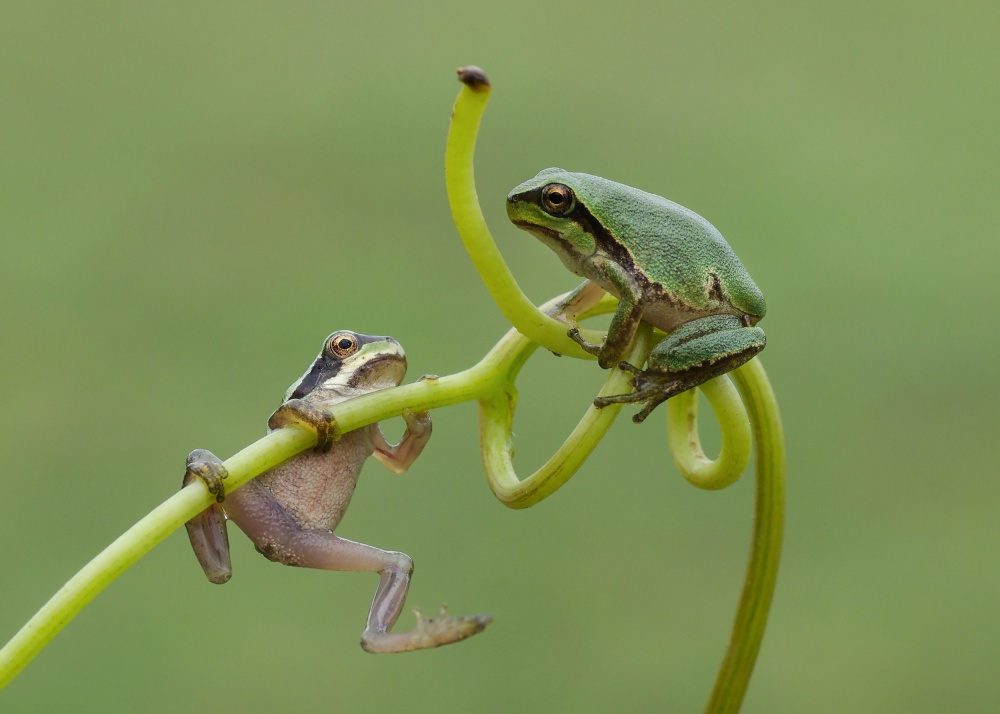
(281, 539)
(650, 392)
(696, 352)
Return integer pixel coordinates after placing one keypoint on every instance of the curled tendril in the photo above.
(496, 416)
(685, 444)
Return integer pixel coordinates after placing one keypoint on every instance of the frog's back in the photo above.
(672, 245)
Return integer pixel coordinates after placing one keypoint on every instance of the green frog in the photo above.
(666, 265)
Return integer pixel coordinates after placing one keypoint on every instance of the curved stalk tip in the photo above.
(460, 183)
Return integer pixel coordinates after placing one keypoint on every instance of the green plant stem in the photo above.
(136, 542)
(685, 444)
(468, 216)
(491, 382)
(252, 461)
(765, 547)
(491, 378)
(496, 415)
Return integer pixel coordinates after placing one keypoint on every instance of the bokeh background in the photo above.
(193, 195)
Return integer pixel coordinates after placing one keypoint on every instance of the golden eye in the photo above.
(342, 344)
(558, 199)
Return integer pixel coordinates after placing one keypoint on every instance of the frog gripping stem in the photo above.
(310, 416)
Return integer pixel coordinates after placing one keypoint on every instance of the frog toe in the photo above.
(653, 402)
(588, 347)
(208, 467)
(630, 368)
(442, 629)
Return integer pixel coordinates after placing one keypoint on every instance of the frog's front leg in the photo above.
(279, 538)
(577, 302)
(207, 530)
(627, 317)
(694, 353)
(397, 458)
(308, 415)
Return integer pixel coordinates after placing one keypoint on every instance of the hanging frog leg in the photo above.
(281, 539)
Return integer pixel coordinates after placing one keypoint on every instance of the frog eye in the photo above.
(342, 344)
(558, 199)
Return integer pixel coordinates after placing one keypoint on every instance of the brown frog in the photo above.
(291, 511)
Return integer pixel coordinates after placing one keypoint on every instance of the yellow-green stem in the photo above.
(491, 382)
(136, 542)
(765, 547)
(496, 416)
(489, 377)
(461, 186)
(685, 444)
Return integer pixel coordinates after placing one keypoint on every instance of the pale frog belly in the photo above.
(669, 316)
(315, 488)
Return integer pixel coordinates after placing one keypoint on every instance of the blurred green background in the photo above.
(193, 195)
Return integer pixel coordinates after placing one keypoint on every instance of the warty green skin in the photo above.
(291, 511)
(666, 265)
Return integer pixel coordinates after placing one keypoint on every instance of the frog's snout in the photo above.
(513, 209)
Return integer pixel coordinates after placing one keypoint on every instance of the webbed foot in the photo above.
(696, 352)
(631, 369)
(442, 629)
(655, 387)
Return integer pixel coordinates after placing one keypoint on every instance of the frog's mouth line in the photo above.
(543, 230)
(386, 365)
(526, 226)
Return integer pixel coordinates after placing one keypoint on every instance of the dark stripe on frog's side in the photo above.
(582, 216)
(322, 369)
(713, 286)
